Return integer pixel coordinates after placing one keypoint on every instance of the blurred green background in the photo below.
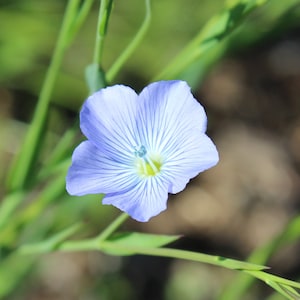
(249, 84)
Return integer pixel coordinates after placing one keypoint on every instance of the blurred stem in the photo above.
(29, 151)
(59, 168)
(8, 206)
(80, 18)
(216, 29)
(113, 71)
(52, 191)
(59, 155)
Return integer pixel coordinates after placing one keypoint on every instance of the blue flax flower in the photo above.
(140, 147)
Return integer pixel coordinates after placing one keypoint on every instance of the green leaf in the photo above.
(125, 243)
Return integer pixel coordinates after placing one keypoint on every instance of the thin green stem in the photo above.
(94, 243)
(113, 71)
(112, 227)
(95, 76)
(282, 285)
(228, 263)
(28, 153)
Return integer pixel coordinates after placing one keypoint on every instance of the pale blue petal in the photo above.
(173, 124)
(92, 172)
(107, 119)
(147, 199)
(195, 153)
(163, 109)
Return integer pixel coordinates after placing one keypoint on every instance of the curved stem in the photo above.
(112, 227)
(112, 72)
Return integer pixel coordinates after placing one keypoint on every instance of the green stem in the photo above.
(94, 243)
(228, 263)
(112, 227)
(95, 76)
(104, 13)
(28, 153)
(75, 246)
(112, 72)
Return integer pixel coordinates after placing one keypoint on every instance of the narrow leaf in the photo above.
(285, 291)
(125, 243)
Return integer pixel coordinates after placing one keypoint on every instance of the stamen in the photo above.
(140, 152)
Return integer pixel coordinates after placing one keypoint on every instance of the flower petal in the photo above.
(164, 107)
(92, 172)
(196, 154)
(107, 119)
(147, 199)
(174, 126)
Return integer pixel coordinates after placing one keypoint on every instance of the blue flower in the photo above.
(140, 147)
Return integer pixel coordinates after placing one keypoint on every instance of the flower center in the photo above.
(146, 165)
